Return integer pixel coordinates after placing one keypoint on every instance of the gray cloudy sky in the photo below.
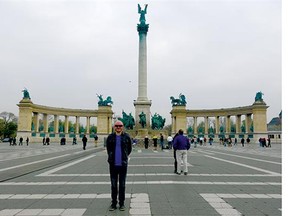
(217, 53)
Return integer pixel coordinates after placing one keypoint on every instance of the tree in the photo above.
(8, 124)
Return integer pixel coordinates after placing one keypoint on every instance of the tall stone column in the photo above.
(142, 104)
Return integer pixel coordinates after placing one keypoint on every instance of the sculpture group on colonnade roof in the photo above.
(181, 101)
(102, 102)
(26, 94)
(258, 97)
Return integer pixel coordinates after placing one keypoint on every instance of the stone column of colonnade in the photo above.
(88, 125)
(195, 125)
(206, 124)
(217, 123)
(228, 124)
(36, 122)
(45, 122)
(248, 122)
(56, 123)
(77, 124)
(238, 124)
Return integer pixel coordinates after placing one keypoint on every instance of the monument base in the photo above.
(142, 132)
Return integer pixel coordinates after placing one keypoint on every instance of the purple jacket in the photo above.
(181, 143)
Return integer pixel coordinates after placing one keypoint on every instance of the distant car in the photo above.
(6, 139)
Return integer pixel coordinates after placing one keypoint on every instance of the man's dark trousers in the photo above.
(115, 173)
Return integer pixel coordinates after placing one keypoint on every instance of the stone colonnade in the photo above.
(29, 113)
(256, 112)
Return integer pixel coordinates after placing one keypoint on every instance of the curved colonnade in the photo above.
(29, 115)
(255, 113)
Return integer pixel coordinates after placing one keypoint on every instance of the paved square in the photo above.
(65, 180)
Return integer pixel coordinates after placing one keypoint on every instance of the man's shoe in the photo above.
(178, 173)
(122, 208)
(185, 173)
(112, 207)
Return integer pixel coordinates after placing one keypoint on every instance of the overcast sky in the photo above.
(219, 54)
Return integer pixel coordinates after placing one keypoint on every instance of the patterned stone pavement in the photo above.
(221, 181)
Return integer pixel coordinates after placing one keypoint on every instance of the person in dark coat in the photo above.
(146, 142)
(242, 142)
(84, 140)
(47, 141)
(174, 154)
(119, 147)
(21, 141)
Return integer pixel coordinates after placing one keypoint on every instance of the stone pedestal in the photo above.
(259, 120)
(179, 119)
(142, 106)
(104, 120)
(142, 132)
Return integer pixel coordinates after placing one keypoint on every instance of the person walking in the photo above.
(269, 142)
(146, 142)
(47, 141)
(27, 141)
(21, 141)
(169, 141)
(119, 147)
(155, 142)
(96, 140)
(161, 141)
(181, 144)
(74, 142)
(84, 140)
(242, 142)
(174, 154)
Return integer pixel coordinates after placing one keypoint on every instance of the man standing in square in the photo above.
(119, 147)
(181, 144)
